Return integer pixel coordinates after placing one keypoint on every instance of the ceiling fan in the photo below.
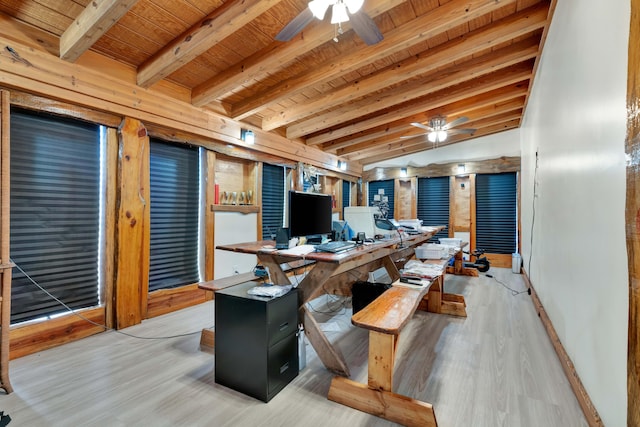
(439, 129)
(341, 11)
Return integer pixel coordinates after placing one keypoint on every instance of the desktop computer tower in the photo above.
(363, 293)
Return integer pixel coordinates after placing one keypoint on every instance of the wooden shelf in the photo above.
(245, 209)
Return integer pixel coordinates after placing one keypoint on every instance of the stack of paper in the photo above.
(417, 270)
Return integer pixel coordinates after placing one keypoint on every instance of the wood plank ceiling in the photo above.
(450, 58)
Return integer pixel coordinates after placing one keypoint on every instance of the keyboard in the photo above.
(336, 246)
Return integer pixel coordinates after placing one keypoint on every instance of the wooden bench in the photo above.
(384, 318)
(207, 337)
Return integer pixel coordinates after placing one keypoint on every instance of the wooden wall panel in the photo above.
(462, 200)
(209, 226)
(132, 229)
(111, 184)
(40, 336)
(5, 264)
(168, 300)
(405, 200)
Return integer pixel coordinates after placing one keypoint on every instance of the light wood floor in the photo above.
(495, 368)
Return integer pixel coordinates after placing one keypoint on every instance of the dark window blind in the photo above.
(496, 204)
(346, 194)
(175, 200)
(55, 203)
(272, 200)
(388, 187)
(433, 203)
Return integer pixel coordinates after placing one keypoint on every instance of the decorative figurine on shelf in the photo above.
(249, 197)
(225, 198)
(243, 198)
(234, 197)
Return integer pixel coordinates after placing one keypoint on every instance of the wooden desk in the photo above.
(333, 273)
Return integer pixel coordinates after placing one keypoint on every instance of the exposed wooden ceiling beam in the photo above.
(498, 165)
(274, 56)
(429, 83)
(422, 141)
(94, 21)
(513, 107)
(510, 97)
(400, 127)
(507, 76)
(458, 138)
(198, 39)
(428, 61)
(437, 21)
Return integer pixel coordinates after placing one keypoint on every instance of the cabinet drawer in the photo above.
(282, 319)
(282, 364)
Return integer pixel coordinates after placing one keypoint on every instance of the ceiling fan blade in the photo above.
(461, 131)
(421, 126)
(365, 28)
(296, 25)
(455, 122)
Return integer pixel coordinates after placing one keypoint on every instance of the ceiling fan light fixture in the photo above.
(319, 8)
(433, 136)
(354, 5)
(339, 14)
(442, 136)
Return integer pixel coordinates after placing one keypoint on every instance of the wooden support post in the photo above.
(132, 233)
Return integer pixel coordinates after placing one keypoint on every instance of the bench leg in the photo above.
(376, 398)
(384, 404)
(436, 301)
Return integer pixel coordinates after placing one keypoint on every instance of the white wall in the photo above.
(488, 147)
(234, 227)
(576, 121)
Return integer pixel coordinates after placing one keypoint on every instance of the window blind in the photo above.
(55, 190)
(346, 194)
(496, 212)
(175, 195)
(272, 200)
(388, 187)
(433, 203)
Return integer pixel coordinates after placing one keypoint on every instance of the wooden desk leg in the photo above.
(329, 355)
(377, 398)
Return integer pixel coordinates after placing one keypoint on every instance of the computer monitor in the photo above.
(310, 214)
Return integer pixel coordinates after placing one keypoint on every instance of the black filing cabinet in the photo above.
(256, 346)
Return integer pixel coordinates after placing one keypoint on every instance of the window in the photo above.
(433, 203)
(55, 214)
(496, 215)
(175, 207)
(387, 186)
(272, 200)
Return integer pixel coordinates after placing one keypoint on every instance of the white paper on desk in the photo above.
(418, 269)
(425, 284)
(269, 291)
